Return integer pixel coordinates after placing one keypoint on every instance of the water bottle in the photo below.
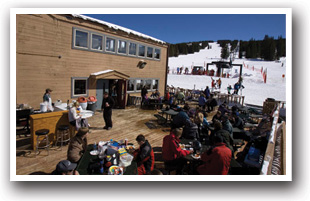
(126, 142)
(101, 167)
(68, 105)
(95, 146)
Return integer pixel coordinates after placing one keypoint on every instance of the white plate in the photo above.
(196, 157)
(94, 152)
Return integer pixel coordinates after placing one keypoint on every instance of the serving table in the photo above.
(87, 161)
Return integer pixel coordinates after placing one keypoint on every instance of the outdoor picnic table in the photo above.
(88, 159)
(169, 113)
(189, 157)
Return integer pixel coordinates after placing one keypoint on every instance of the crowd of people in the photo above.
(192, 124)
(189, 123)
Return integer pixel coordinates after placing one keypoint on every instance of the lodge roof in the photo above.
(117, 27)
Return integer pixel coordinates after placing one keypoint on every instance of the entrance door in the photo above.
(102, 86)
(121, 93)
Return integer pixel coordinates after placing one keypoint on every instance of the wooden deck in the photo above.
(127, 123)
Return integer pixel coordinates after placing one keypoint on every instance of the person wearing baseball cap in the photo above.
(65, 167)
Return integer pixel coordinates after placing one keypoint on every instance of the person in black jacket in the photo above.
(107, 105)
(143, 94)
(237, 121)
(190, 130)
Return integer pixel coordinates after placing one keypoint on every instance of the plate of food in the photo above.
(196, 156)
(115, 170)
(94, 152)
(128, 147)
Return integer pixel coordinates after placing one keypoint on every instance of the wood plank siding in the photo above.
(41, 39)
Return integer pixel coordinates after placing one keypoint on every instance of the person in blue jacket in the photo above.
(202, 101)
(207, 92)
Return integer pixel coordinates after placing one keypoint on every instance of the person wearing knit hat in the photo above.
(78, 145)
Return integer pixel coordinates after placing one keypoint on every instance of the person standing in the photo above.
(143, 95)
(229, 88)
(219, 83)
(207, 92)
(47, 99)
(107, 106)
(212, 84)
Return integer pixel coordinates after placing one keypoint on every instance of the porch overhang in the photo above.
(109, 74)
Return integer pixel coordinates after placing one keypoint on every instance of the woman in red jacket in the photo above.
(217, 159)
(172, 152)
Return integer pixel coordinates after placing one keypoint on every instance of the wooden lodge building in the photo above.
(76, 55)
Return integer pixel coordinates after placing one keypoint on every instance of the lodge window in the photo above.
(81, 39)
(122, 46)
(93, 41)
(157, 54)
(141, 52)
(136, 84)
(149, 52)
(79, 86)
(148, 84)
(132, 49)
(110, 45)
(96, 42)
(139, 84)
(154, 84)
(131, 85)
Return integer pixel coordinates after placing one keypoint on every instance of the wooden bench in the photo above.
(160, 119)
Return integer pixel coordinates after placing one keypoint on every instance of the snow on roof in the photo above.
(102, 72)
(117, 27)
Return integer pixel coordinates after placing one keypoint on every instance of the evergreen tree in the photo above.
(225, 52)
(268, 48)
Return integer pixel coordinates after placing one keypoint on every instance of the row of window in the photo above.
(136, 84)
(88, 40)
(79, 85)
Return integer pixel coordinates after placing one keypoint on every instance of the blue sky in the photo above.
(177, 28)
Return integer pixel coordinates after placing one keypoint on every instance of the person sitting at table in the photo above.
(180, 97)
(237, 122)
(172, 153)
(216, 159)
(202, 101)
(211, 103)
(223, 109)
(203, 125)
(65, 167)
(190, 130)
(179, 120)
(226, 124)
(216, 117)
(75, 119)
(144, 156)
(227, 138)
(155, 94)
(77, 145)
